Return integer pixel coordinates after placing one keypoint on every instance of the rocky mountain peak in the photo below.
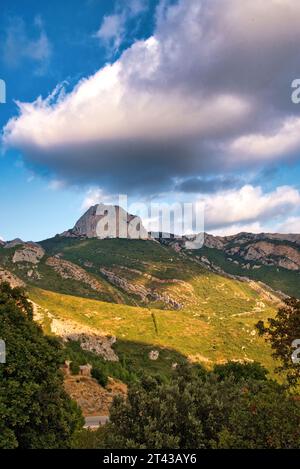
(108, 221)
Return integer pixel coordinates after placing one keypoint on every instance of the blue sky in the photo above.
(29, 207)
(165, 100)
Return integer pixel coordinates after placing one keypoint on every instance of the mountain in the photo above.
(267, 257)
(108, 221)
(150, 303)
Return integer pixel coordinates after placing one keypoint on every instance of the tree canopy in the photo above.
(35, 411)
(282, 332)
(218, 410)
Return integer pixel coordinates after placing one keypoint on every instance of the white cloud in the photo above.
(230, 230)
(112, 31)
(113, 28)
(19, 46)
(284, 140)
(233, 210)
(95, 196)
(205, 94)
(290, 225)
(56, 184)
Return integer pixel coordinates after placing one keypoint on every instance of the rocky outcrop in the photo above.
(108, 221)
(272, 254)
(144, 293)
(252, 250)
(13, 243)
(30, 252)
(88, 338)
(13, 280)
(68, 270)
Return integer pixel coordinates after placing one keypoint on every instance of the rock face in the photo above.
(13, 243)
(30, 252)
(108, 221)
(68, 270)
(141, 291)
(13, 280)
(88, 338)
(271, 249)
(268, 249)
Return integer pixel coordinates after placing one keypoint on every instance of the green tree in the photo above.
(281, 332)
(211, 411)
(35, 411)
(151, 417)
(100, 376)
(241, 371)
(263, 416)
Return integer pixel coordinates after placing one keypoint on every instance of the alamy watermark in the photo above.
(2, 92)
(2, 351)
(296, 352)
(152, 220)
(295, 96)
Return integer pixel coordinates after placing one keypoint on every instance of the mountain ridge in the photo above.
(270, 258)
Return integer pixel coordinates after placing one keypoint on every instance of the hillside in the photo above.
(202, 336)
(266, 257)
(120, 300)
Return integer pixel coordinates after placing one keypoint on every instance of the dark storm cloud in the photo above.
(207, 186)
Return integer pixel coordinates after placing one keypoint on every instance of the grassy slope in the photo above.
(215, 323)
(207, 338)
(284, 280)
(201, 290)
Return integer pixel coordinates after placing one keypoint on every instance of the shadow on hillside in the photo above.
(141, 357)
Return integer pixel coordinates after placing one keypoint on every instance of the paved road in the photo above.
(95, 422)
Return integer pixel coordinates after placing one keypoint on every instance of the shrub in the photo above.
(100, 376)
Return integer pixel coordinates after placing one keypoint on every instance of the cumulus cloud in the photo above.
(249, 206)
(94, 196)
(208, 93)
(226, 212)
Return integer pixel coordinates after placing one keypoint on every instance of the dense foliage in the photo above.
(213, 410)
(35, 411)
(281, 332)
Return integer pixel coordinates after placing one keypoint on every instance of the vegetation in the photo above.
(35, 411)
(101, 377)
(277, 278)
(207, 337)
(281, 332)
(126, 369)
(212, 410)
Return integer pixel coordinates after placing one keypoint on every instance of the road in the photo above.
(95, 422)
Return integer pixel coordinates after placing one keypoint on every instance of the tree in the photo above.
(211, 411)
(241, 371)
(152, 417)
(100, 376)
(281, 332)
(263, 416)
(35, 411)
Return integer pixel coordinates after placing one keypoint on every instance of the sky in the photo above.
(161, 100)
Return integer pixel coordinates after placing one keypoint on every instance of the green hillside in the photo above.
(148, 296)
(287, 281)
(203, 337)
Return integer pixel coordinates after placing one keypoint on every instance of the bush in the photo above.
(100, 376)
(241, 371)
(74, 368)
